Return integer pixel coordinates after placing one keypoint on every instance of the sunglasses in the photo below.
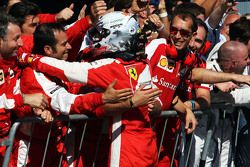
(183, 33)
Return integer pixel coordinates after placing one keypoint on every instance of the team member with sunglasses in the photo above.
(172, 62)
(167, 64)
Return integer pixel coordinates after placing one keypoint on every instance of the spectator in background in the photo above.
(229, 18)
(242, 25)
(62, 16)
(26, 13)
(232, 58)
(198, 95)
(217, 18)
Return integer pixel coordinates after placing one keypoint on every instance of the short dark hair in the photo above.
(4, 22)
(44, 35)
(201, 23)
(123, 4)
(240, 30)
(191, 7)
(184, 15)
(22, 9)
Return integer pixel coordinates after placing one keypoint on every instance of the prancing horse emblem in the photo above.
(133, 73)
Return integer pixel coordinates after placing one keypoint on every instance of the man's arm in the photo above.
(186, 114)
(201, 75)
(202, 100)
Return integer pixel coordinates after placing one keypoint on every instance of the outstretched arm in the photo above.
(207, 76)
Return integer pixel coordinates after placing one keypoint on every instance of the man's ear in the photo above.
(48, 50)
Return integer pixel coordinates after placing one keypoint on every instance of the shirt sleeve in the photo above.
(59, 99)
(47, 18)
(10, 101)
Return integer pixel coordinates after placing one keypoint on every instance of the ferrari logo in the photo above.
(133, 74)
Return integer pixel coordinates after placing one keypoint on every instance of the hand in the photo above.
(111, 95)
(162, 6)
(190, 121)
(139, 5)
(98, 8)
(143, 97)
(44, 114)
(65, 14)
(36, 100)
(226, 5)
(241, 79)
(154, 107)
(226, 86)
(82, 12)
(154, 18)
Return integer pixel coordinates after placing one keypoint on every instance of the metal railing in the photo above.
(165, 114)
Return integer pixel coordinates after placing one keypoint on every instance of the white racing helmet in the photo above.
(114, 32)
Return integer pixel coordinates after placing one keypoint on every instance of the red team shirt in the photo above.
(133, 141)
(167, 72)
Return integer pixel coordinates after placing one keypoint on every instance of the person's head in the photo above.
(233, 57)
(182, 28)
(26, 14)
(195, 9)
(122, 5)
(114, 32)
(198, 40)
(10, 34)
(50, 40)
(240, 31)
(230, 18)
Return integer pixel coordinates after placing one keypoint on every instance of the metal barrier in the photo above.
(165, 114)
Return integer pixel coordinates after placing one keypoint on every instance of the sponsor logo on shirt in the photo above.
(133, 73)
(155, 79)
(162, 82)
(1, 77)
(54, 90)
(165, 64)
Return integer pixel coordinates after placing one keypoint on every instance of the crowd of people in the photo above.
(126, 61)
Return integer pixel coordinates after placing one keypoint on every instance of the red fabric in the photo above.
(100, 74)
(10, 97)
(47, 18)
(186, 90)
(81, 103)
(75, 36)
(206, 47)
(168, 72)
(28, 44)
